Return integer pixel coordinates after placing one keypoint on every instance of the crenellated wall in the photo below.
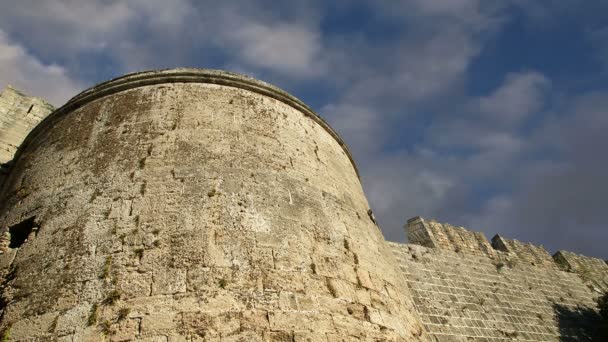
(430, 233)
(593, 271)
(526, 252)
(466, 289)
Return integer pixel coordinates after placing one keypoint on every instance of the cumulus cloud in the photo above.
(359, 126)
(129, 35)
(406, 185)
(560, 196)
(282, 47)
(392, 87)
(65, 26)
(520, 95)
(24, 71)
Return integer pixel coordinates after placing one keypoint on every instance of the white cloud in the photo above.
(63, 27)
(360, 127)
(27, 73)
(403, 186)
(143, 34)
(520, 95)
(288, 48)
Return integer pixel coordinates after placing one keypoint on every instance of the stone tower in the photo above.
(193, 205)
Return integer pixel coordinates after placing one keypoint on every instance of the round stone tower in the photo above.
(193, 205)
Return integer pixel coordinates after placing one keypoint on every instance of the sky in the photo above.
(485, 114)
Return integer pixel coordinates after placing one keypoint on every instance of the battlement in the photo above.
(432, 234)
(527, 252)
(466, 288)
(593, 271)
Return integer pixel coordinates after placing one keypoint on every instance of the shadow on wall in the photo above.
(580, 324)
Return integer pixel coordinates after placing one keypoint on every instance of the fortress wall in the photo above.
(592, 271)
(461, 297)
(193, 205)
(526, 252)
(515, 293)
(431, 233)
(18, 115)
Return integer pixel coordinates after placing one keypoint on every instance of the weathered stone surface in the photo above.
(197, 205)
(18, 115)
(592, 271)
(194, 205)
(515, 292)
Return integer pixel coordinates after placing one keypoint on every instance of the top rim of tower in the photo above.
(185, 75)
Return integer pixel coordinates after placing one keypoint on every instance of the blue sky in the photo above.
(489, 115)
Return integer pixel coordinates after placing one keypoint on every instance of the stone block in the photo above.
(158, 323)
(169, 281)
(300, 321)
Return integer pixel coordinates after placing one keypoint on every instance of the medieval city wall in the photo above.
(466, 288)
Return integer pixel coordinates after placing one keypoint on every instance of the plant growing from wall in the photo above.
(6, 335)
(92, 319)
(123, 314)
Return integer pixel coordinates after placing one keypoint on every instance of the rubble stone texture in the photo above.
(18, 115)
(199, 205)
(193, 205)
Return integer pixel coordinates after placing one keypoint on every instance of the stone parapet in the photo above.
(445, 236)
(593, 271)
(432, 234)
(525, 252)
